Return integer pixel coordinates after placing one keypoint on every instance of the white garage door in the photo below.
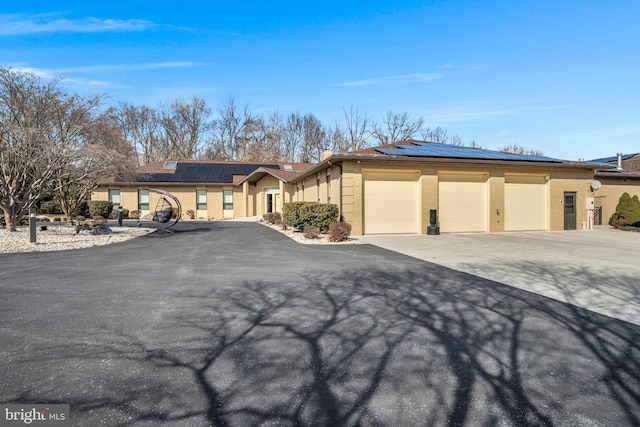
(525, 203)
(391, 202)
(462, 202)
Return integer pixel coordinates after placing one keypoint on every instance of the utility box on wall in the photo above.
(591, 203)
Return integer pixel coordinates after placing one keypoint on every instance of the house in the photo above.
(211, 189)
(617, 175)
(386, 189)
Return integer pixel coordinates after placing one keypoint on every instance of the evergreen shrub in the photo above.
(309, 214)
(100, 208)
(627, 212)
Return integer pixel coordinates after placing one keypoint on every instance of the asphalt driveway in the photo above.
(233, 324)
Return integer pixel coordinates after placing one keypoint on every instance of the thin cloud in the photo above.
(405, 78)
(22, 24)
(61, 72)
(74, 76)
(129, 67)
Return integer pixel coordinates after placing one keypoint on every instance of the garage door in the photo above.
(525, 203)
(391, 202)
(462, 202)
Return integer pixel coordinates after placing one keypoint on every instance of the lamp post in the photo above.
(32, 225)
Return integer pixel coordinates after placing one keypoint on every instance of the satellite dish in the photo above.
(595, 184)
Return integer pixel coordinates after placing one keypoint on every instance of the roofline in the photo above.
(165, 183)
(263, 171)
(618, 174)
(339, 158)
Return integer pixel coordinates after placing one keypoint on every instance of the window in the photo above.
(227, 200)
(318, 188)
(143, 200)
(328, 188)
(201, 200)
(114, 197)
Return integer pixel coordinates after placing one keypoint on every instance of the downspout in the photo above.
(339, 165)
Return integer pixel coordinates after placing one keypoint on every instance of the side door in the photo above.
(569, 210)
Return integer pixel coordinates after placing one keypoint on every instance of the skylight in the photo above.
(170, 165)
(288, 167)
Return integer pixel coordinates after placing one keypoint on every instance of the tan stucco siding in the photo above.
(186, 195)
(560, 180)
(496, 201)
(608, 195)
(568, 181)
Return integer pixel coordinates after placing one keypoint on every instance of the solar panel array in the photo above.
(430, 149)
(204, 172)
(613, 159)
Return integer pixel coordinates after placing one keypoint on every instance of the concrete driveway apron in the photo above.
(598, 270)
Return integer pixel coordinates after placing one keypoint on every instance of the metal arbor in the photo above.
(165, 210)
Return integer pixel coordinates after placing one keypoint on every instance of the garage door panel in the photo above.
(462, 202)
(391, 203)
(525, 203)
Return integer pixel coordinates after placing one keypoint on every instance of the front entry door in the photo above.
(569, 210)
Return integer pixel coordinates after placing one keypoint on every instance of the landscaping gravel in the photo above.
(63, 237)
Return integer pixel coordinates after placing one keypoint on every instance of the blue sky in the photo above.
(562, 77)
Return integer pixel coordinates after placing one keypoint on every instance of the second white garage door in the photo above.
(525, 203)
(462, 202)
(391, 202)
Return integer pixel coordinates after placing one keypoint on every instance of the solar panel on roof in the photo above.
(204, 172)
(429, 149)
(613, 159)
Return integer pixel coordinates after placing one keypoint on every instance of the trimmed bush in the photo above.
(50, 207)
(339, 231)
(311, 232)
(191, 214)
(273, 217)
(627, 212)
(100, 207)
(82, 209)
(114, 214)
(135, 214)
(309, 214)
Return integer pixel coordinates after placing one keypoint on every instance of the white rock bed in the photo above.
(299, 237)
(61, 237)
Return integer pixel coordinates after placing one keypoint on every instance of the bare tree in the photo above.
(518, 149)
(397, 127)
(141, 126)
(292, 137)
(186, 128)
(103, 153)
(337, 139)
(437, 135)
(227, 142)
(473, 144)
(356, 129)
(314, 141)
(42, 132)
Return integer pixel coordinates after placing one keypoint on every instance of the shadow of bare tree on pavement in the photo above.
(384, 347)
